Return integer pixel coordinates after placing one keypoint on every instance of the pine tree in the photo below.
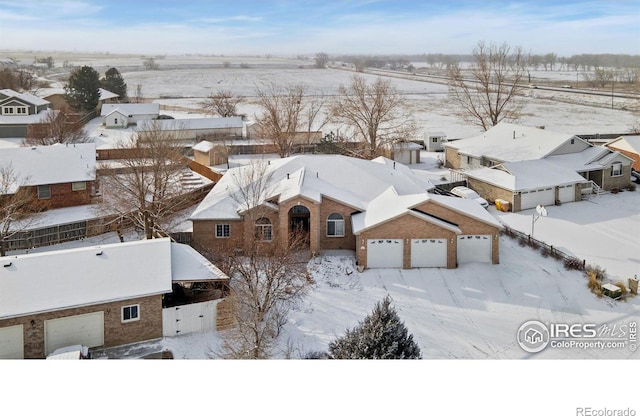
(380, 336)
(114, 82)
(82, 91)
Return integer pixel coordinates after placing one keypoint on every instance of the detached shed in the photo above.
(406, 153)
(434, 140)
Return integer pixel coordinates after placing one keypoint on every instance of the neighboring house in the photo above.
(123, 115)
(21, 111)
(628, 146)
(191, 129)
(59, 175)
(434, 140)
(93, 296)
(56, 96)
(500, 147)
(379, 208)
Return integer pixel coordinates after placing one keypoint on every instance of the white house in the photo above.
(122, 115)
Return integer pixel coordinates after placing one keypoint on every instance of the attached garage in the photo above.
(431, 252)
(86, 329)
(384, 253)
(12, 342)
(533, 198)
(474, 248)
(566, 193)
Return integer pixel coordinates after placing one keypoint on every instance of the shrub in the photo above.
(623, 289)
(380, 336)
(631, 187)
(573, 263)
(598, 272)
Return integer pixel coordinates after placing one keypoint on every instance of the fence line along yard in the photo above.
(570, 261)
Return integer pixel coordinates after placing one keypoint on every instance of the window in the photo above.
(434, 139)
(44, 192)
(616, 169)
(222, 231)
(264, 229)
(335, 225)
(78, 186)
(130, 313)
(573, 141)
(469, 160)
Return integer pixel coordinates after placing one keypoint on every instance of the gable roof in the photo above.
(627, 143)
(106, 94)
(133, 109)
(54, 280)
(42, 165)
(187, 265)
(508, 142)
(25, 97)
(526, 175)
(354, 182)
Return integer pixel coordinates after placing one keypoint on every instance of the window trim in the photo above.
(75, 186)
(130, 307)
(40, 196)
(263, 228)
(615, 165)
(220, 230)
(336, 222)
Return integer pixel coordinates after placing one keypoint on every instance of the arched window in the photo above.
(264, 229)
(335, 225)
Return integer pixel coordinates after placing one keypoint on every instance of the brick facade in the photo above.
(63, 195)
(148, 327)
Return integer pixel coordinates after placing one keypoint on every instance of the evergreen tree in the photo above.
(82, 91)
(114, 82)
(380, 336)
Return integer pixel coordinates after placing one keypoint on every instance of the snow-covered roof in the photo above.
(389, 206)
(204, 146)
(42, 117)
(352, 181)
(55, 280)
(107, 95)
(406, 146)
(29, 98)
(526, 175)
(59, 163)
(511, 142)
(592, 158)
(144, 108)
(627, 143)
(189, 265)
(204, 123)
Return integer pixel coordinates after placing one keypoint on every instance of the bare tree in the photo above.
(286, 112)
(488, 92)
(17, 202)
(321, 60)
(223, 103)
(56, 127)
(376, 113)
(267, 278)
(146, 187)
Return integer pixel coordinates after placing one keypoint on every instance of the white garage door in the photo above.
(87, 329)
(534, 198)
(11, 342)
(384, 254)
(429, 252)
(566, 193)
(473, 248)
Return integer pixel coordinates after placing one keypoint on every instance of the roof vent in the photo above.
(287, 176)
(7, 264)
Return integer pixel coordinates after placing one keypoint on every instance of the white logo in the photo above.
(533, 336)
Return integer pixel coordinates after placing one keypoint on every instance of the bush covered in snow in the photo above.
(380, 336)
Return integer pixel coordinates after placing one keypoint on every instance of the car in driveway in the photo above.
(467, 193)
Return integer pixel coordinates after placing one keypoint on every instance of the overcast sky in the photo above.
(306, 27)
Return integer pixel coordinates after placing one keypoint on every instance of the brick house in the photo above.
(514, 162)
(94, 296)
(59, 175)
(379, 208)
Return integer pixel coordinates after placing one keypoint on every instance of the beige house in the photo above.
(378, 208)
(529, 166)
